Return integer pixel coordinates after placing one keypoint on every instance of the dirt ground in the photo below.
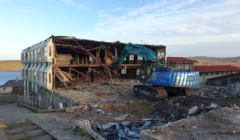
(100, 109)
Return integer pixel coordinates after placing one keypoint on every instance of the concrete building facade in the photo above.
(225, 80)
(208, 72)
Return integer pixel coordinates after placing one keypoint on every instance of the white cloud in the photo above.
(173, 22)
(75, 4)
(196, 20)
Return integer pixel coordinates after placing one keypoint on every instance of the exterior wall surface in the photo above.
(6, 90)
(56, 99)
(209, 75)
(224, 81)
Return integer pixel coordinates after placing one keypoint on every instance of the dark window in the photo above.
(217, 73)
(200, 74)
(206, 73)
(49, 77)
(212, 73)
(50, 51)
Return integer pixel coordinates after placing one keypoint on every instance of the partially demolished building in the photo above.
(62, 61)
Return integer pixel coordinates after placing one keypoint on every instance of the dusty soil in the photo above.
(221, 124)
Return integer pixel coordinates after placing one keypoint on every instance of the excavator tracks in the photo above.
(159, 93)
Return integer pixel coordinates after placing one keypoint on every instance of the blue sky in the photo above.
(186, 27)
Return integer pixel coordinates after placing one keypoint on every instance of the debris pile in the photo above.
(232, 91)
(122, 127)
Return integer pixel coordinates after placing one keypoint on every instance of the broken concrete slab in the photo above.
(192, 110)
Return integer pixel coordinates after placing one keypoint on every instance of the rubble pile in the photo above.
(182, 107)
(219, 92)
(232, 91)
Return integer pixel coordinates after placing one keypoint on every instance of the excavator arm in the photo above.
(133, 49)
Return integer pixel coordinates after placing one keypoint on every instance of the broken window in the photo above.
(159, 55)
(138, 71)
(131, 57)
(123, 71)
(140, 58)
(91, 59)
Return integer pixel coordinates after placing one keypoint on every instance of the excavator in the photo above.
(160, 79)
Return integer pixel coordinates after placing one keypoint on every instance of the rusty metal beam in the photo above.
(97, 72)
(98, 80)
(90, 54)
(79, 72)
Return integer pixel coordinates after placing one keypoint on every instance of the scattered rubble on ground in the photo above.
(113, 111)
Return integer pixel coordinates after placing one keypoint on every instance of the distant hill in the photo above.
(10, 65)
(204, 60)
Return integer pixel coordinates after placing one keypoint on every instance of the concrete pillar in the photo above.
(204, 80)
(229, 81)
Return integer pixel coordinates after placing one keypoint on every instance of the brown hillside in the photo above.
(10, 65)
(203, 60)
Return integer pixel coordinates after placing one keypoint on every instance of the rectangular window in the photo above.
(159, 55)
(217, 73)
(45, 51)
(212, 73)
(200, 74)
(45, 77)
(50, 51)
(131, 57)
(49, 77)
(39, 76)
(138, 71)
(28, 56)
(35, 54)
(140, 58)
(206, 73)
(123, 71)
(39, 53)
(91, 59)
(32, 54)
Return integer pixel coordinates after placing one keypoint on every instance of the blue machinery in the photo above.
(162, 79)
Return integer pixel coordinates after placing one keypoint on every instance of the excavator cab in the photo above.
(147, 68)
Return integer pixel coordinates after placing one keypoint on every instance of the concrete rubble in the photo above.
(123, 116)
